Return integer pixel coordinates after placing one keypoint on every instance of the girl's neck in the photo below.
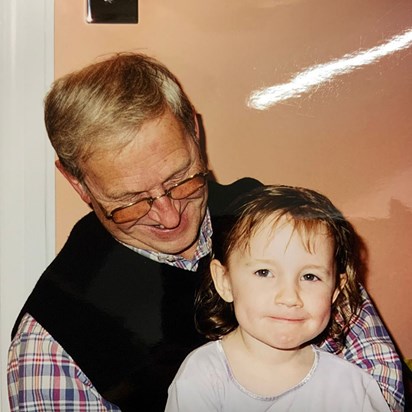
(265, 370)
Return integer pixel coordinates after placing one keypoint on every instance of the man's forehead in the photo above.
(121, 176)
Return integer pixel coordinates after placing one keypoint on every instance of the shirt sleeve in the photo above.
(373, 401)
(42, 376)
(199, 383)
(185, 395)
(369, 346)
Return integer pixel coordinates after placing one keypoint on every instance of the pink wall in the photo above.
(349, 138)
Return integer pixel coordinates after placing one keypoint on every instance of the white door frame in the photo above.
(27, 197)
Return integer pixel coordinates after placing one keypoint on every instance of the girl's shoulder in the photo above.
(205, 360)
(343, 370)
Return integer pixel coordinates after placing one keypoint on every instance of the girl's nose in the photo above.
(288, 295)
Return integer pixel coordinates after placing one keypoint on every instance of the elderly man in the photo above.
(111, 318)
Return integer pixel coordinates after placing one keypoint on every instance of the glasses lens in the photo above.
(131, 213)
(182, 191)
(187, 188)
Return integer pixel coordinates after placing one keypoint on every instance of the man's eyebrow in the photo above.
(181, 172)
(116, 196)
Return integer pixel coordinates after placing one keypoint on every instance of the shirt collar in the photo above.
(203, 248)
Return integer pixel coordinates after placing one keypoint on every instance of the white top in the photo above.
(205, 383)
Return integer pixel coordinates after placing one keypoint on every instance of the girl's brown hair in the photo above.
(308, 211)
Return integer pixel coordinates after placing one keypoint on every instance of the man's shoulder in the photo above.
(87, 245)
(222, 196)
(88, 227)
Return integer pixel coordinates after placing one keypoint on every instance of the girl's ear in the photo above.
(342, 283)
(221, 280)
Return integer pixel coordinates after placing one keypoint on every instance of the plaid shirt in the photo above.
(369, 346)
(43, 377)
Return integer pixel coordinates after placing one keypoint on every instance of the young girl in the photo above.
(281, 267)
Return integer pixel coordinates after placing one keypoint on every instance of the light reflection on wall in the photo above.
(315, 76)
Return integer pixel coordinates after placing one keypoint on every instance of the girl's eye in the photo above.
(310, 277)
(263, 273)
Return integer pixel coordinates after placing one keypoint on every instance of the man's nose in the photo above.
(165, 211)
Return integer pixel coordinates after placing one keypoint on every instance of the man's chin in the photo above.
(187, 250)
(181, 241)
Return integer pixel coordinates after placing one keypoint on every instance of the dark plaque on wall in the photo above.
(112, 11)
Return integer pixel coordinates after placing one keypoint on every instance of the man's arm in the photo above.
(42, 376)
(369, 346)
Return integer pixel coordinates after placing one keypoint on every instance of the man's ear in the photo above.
(342, 282)
(77, 186)
(197, 130)
(221, 280)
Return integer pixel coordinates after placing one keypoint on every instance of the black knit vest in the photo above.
(126, 320)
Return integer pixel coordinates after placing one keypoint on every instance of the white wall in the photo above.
(26, 159)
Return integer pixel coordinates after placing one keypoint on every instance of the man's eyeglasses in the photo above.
(136, 210)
